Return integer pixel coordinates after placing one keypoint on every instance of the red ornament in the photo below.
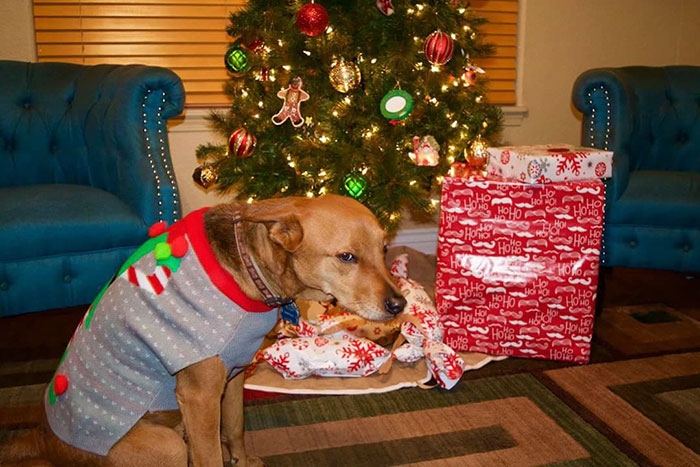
(157, 229)
(241, 143)
(178, 246)
(255, 45)
(438, 48)
(60, 384)
(312, 19)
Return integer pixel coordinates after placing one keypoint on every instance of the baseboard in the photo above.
(423, 240)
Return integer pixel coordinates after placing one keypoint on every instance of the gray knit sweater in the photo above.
(122, 359)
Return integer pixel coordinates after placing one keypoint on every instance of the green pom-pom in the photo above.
(162, 251)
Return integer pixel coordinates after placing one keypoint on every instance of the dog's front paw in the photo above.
(248, 462)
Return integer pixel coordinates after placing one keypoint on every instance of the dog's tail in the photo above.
(21, 448)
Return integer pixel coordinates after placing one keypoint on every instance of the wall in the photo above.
(562, 38)
(17, 30)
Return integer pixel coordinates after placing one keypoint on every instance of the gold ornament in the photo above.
(205, 176)
(345, 76)
(477, 156)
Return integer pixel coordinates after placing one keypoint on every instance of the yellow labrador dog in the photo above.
(175, 328)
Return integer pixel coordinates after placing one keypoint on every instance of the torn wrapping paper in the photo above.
(423, 331)
(328, 347)
(518, 266)
(300, 357)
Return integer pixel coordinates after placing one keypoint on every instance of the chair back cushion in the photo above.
(666, 117)
(46, 115)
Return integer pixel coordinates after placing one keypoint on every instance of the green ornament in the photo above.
(236, 60)
(162, 251)
(355, 185)
(396, 104)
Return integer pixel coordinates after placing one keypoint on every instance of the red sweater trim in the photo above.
(193, 226)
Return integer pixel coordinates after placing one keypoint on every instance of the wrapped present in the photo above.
(517, 266)
(547, 163)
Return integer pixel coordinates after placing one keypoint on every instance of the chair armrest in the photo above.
(126, 136)
(606, 102)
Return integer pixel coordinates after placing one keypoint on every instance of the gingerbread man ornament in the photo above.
(293, 96)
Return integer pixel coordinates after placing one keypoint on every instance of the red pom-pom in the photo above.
(312, 19)
(157, 229)
(178, 246)
(60, 384)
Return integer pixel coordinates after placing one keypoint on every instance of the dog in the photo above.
(125, 367)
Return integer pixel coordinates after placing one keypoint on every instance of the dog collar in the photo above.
(269, 298)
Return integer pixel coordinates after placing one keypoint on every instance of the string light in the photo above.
(309, 194)
(250, 200)
(306, 52)
(244, 93)
(373, 61)
(479, 99)
(324, 139)
(412, 182)
(256, 116)
(322, 173)
(335, 113)
(322, 190)
(261, 104)
(444, 88)
(454, 124)
(291, 164)
(347, 100)
(284, 188)
(435, 69)
(286, 67)
(393, 216)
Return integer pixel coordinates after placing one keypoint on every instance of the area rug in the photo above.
(652, 403)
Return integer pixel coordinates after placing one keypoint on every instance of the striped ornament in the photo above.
(155, 283)
(241, 143)
(438, 48)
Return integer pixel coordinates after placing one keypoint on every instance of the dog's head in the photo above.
(334, 246)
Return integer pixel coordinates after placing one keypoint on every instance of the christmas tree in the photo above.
(356, 97)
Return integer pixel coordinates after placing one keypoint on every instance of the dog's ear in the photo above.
(280, 216)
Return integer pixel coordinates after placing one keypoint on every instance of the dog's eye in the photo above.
(347, 258)
(386, 248)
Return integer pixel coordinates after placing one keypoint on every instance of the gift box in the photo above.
(547, 163)
(517, 266)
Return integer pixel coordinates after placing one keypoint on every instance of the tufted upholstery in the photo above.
(84, 169)
(650, 118)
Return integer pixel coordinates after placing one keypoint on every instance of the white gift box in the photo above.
(546, 163)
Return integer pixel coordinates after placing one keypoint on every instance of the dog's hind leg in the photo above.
(148, 445)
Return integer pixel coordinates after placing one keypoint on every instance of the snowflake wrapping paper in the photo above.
(548, 163)
(322, 350)
(517, 268)
(301, 357)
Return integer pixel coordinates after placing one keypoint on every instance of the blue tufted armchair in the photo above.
(650, 118)
(84, 170)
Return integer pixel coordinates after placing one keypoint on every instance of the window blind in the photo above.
(188, 36)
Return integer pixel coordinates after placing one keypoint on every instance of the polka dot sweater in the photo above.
(122, 359)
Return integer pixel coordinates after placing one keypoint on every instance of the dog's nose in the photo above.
(395, 304)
